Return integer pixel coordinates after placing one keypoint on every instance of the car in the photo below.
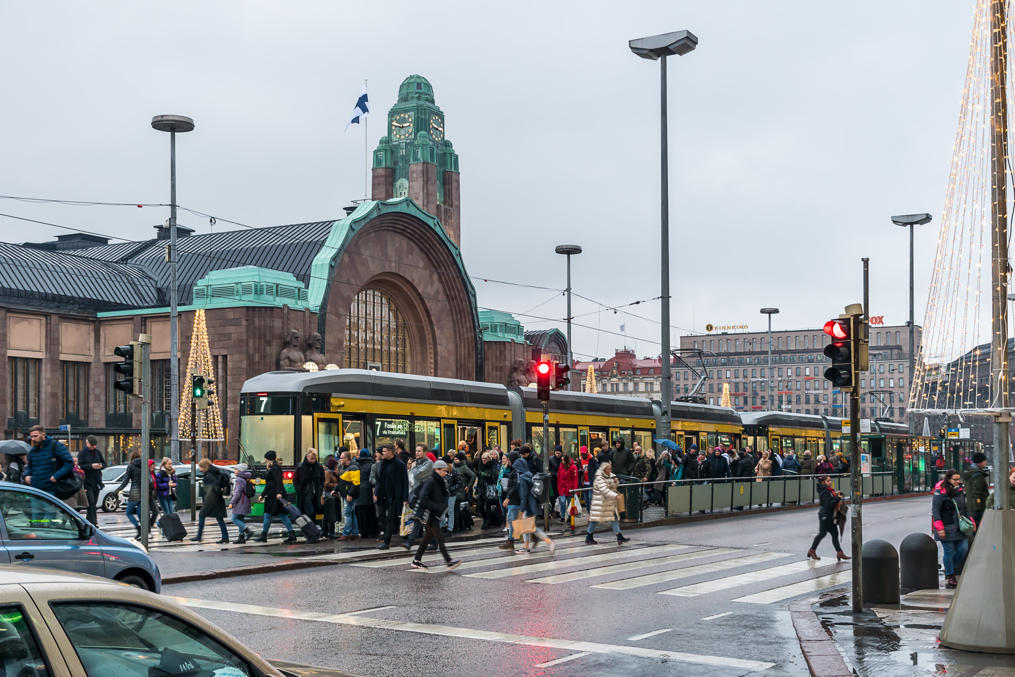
(39, 530)
(59, 625)
(111, 478)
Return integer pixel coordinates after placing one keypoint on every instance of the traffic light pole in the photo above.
(546, 463)
(145, 341)
(859, 337)
(193, 459)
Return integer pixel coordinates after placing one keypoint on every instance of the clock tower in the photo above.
(415, 160)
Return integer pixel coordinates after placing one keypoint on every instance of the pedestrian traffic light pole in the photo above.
(193, 456)
(145, 343)
(859, 352)
(546, 463)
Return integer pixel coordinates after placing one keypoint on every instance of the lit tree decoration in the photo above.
(200, 362)
(725, 401)
(590, 381)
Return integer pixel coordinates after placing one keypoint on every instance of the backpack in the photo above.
(225, 485)
(248, 489)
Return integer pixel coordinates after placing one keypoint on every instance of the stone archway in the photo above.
(388, 325)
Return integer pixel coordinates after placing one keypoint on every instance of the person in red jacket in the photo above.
(567, 481)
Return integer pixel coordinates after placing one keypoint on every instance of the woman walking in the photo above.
(604, 504)
(949, 503)
(310, 485)
(165, 486)
(133, 477)
(212, 502)
(567, 481)
(239, 504)
(272, 494)
(830, 499)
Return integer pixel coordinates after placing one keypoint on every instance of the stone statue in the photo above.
(523, 372)
(313, 351)
(291, 358)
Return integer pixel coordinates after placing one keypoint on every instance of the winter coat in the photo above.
(419, 474)
(697, 470)
(273, 485)
(239, 500)
(133, 476)
(392, 482)
(535, 463)
(791, 465)
(604, 499)
(50, 459)
(840, 467)
(975, 479)
(718, 467)
(806, 466)
(213, 504)
(745, 466)
(519, 484)
(567, 479)
(309, 480)
(1011, 498)
(486, 475)
(349, 481)
(824, 468)
(829, 502)
(330, 479)
(162, 480)
(93, 477)
(943, 512)
(776, 460)
(623, 460)
(764, 467)
(16, 470)
(587, 472)
(641, 467)
(433, 496)
(366, 497)
(466, 479)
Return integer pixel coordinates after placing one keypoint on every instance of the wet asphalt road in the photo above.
(455, 623)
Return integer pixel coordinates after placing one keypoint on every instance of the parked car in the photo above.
(111, 478)
(39, 530)
(55, 624)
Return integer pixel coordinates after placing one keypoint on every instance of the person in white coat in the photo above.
(604, 504)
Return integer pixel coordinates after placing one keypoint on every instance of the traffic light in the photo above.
(129, 368)
(199, 391)
(561, 376)
(208, 392)
(543, 371)
(840, 350)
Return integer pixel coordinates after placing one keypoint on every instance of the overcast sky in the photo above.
(796, 130)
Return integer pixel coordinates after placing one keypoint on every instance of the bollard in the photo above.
(880, 573)
(918, 557)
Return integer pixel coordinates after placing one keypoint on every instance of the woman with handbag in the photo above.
(952, 525)
(830, 499)
(567, 481)
(604, 503)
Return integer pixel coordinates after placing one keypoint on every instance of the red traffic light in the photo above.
(543, 368)
(837, 329)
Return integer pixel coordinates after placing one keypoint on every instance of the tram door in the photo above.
(327, 434)
(352, 433)
(597, 438)
(449, 433)
(493, 435)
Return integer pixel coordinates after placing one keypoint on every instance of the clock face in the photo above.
(436, 128)
(401, 127)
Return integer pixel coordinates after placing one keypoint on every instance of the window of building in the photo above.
(891, 383)
(74, 391)
(161, 386)
(897, 341)
(807, 371)
(881, 383)
(901, 383)
(798, 371)
(881, 368)
(376, 333)
(728, 374)
(23, 373)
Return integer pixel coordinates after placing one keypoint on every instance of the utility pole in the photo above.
(193, 456)
(859, 337)
(145, 341)
(546, 462)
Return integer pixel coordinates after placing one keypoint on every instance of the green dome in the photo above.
(415, 88)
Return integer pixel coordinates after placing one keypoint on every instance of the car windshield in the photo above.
(137, 641)
(113, 473)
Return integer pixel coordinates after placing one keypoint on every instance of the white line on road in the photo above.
(758, 576)
(664, 576)
(471, 633)
(366, 611)
(565, 659)
(649, 634)
(575, 561)
(787, 591)
(522, 556)
(628, 566)
(712, 618)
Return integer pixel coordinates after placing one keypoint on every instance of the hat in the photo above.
(694, 446)
(460, 456)
(440, 464)
(583, 450)
(270, 455)
(525, 450)
(431, 456)
(364, 453)
(558, 448)
(979, 457)
(240, 467)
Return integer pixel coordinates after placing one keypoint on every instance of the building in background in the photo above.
(623, 374)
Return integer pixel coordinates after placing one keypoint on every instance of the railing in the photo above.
(687, 497)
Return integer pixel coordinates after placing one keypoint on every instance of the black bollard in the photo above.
(918, 556)
(880, 573)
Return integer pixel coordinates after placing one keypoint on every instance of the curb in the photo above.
(819, 649)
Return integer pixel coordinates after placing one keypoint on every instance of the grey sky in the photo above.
(790, 120)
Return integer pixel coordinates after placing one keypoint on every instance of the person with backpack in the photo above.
(239, 504)
(348, 490)
(948, 509)
(273, 495)
(213, 503)
(48, 461)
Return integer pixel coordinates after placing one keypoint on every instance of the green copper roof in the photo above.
(251, 284)
(498, 326)
(415, 88)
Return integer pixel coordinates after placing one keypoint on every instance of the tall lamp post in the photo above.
(569, 250)
(911, 220)
(770, 312)
(658, 47)
(173, 124)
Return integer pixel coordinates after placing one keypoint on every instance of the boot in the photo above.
(509, 544)
(290, 538)
(951, 582)
(589, 540)
(621, 539)
(812, 555)
(840, 555)
(242, 537)
(262, 538)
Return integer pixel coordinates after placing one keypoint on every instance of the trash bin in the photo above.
(632, 499)
(183, 493)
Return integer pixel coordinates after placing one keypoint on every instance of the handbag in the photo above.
(966, 526)
(67, 487)
(524, 525)
(621, 503)
(406, 522)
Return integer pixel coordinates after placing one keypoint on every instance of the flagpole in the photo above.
(366, 154)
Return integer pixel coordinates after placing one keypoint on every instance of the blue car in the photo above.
(39, 530)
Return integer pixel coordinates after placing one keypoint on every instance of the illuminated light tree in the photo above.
(200, 363)
(725, 401)
(590, 381)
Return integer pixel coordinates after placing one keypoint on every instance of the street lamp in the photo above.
(569, 250)
(173, 124)
(770, 312)
(658, 47)
(911, 220)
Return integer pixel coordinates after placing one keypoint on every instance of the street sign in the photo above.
(865, 425)
(64, 428)
(963, 433)
(953, 433)
(865, 464)
(845, 426)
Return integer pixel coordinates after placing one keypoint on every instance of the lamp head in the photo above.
(911, 219)
(667, 44)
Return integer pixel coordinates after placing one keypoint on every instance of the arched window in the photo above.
(376, 336)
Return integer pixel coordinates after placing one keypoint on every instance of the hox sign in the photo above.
(877, 320)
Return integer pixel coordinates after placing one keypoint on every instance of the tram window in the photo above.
(569, 441)
(471, 434)
(596, 439)
(428, 433)
(624, 435)
(316, 403)
(352, 435)
(387, 430)
(536, 438)
(259, 433)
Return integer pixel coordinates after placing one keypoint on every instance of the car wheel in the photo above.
(111, 503)
(135, 581)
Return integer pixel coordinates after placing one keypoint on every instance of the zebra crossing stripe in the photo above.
(795, 589)
(741, 579)
(629, 566)
(664, 576)
(575, 561)
(403, 561)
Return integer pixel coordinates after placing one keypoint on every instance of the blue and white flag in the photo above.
(360, 111)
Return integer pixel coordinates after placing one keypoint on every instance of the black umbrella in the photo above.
(14, 447)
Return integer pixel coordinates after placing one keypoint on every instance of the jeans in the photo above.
(349, 525)
(449, 516)
(167, 504)
(562, 504)
(538, 533)
(266, 523)
(222, 526)
(133, 512)
(954, 555)
(615, 525)
(240, 522)
(512, 514)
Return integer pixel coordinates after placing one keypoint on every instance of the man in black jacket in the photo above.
(91, 461)
(391, 492)
(433, 501)
(622, 458)
(273, 493)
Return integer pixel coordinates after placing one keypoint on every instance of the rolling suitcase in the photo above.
(172, 527)
(310, 530)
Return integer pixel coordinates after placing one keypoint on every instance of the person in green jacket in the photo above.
(975, 479)
(1011, 492)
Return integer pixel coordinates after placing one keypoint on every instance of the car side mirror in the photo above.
(85, 530)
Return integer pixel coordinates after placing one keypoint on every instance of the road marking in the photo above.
(524, 557)
(433, 557)
(628, 566)
(471, 633)
(558, 661)
(712, 618)
(649, 634)
(366, 611)
(741, 579)
(787, 591)
(664, 576)
(574, 561)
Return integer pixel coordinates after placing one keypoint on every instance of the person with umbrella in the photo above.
(15, 451)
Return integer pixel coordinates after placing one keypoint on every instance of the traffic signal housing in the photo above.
(199, 391)
(561, 376)
(543, 373)
(129, 368)
(208, 392)
(842, 373)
